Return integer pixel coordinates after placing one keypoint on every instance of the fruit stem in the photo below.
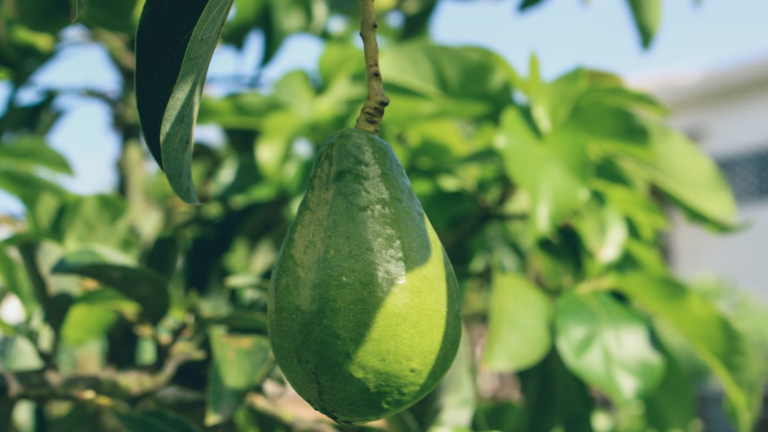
(373, 110)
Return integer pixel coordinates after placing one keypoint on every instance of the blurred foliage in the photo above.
(132, 311)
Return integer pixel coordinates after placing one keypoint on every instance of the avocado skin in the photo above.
(364, 307)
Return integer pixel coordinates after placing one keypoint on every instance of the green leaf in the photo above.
(614, 131)
(93, 220)
(114, 15)
(283, 18)
(238, 111)
(451, 406)
(645, 214)
(86, 322)
(30, 151)
(467, 74)
(603, 230)
(93, 315)
(688, 175)
(607, 345)
(555, 398)
(455, 395)
(552, 172)
(248, 14)
(155, 421)
(174, 45)
(77, 6)
(222, 402)
(15, 280)
(525, 4)
(147, 287)
(242, 360)
(520, 316)
(279, 129)
(18, 354)
(340, 58)
(647, 16)
(552, 104)
(500, 416)
(724, 349)
(673, 405)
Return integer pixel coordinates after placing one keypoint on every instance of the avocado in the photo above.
(364, 307)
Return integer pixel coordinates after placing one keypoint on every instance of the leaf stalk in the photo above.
(373, 111)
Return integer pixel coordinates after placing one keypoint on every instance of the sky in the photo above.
(563, 33)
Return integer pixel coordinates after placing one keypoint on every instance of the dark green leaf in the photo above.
(500, 416)
(554, 397)
(242, 360)
(417, 18)
(177, 130)
(48, 16)
(607, 345)
(164, 33)
(525, 4)
(647, 16)
(147, 287)
(6, 414)
(520, 316)
(114, 15)
(174, 45)
(155, 421)
(246, 321)
(727, 352)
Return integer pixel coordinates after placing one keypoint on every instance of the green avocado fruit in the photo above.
(364, 308)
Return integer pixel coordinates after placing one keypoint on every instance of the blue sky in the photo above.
(564, 34)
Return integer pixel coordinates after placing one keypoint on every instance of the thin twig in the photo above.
(49, 384)
(373, 110)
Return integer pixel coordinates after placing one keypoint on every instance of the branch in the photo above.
(269, 408)
(373, 110)
(50, 384)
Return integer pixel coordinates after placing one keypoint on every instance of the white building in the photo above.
(726, 112)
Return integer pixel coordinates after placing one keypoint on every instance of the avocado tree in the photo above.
(146, 309)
